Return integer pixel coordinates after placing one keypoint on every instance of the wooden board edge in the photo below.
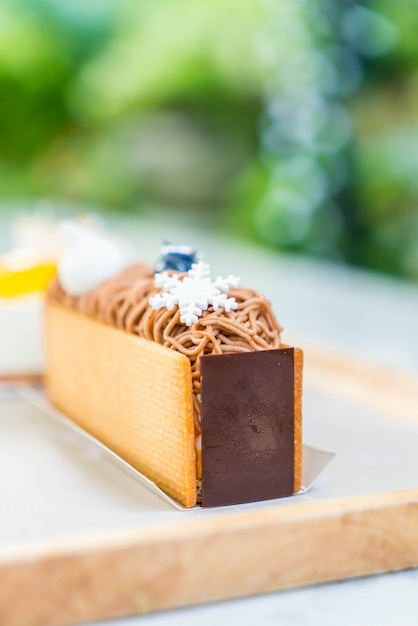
(210, 559)
(391, 392)
(23, 378)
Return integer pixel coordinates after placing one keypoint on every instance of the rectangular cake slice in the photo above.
(136, 397)
(183, 376)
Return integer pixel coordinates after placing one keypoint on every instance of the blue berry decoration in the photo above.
(177, 258)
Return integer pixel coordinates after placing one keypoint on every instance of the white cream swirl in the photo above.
(89, 257)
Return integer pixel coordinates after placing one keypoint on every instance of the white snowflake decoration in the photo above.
(194, 293)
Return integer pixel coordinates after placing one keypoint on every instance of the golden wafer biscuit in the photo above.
(132, 394)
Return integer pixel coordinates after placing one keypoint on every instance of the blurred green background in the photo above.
(293, 123)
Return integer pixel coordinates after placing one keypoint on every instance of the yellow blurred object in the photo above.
(19, 282)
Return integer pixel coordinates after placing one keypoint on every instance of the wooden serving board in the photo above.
(80, 541)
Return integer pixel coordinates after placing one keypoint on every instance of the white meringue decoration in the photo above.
(89, 257)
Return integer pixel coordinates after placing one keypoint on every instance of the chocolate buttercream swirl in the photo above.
(123, 302)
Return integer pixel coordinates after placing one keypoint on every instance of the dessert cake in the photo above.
(185, 378)
(23, 281)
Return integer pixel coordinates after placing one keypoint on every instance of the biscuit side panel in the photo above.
(132, 394)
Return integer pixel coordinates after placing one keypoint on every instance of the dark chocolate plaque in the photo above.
(247, 426)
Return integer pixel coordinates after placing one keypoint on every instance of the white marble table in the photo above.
(353, 311)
